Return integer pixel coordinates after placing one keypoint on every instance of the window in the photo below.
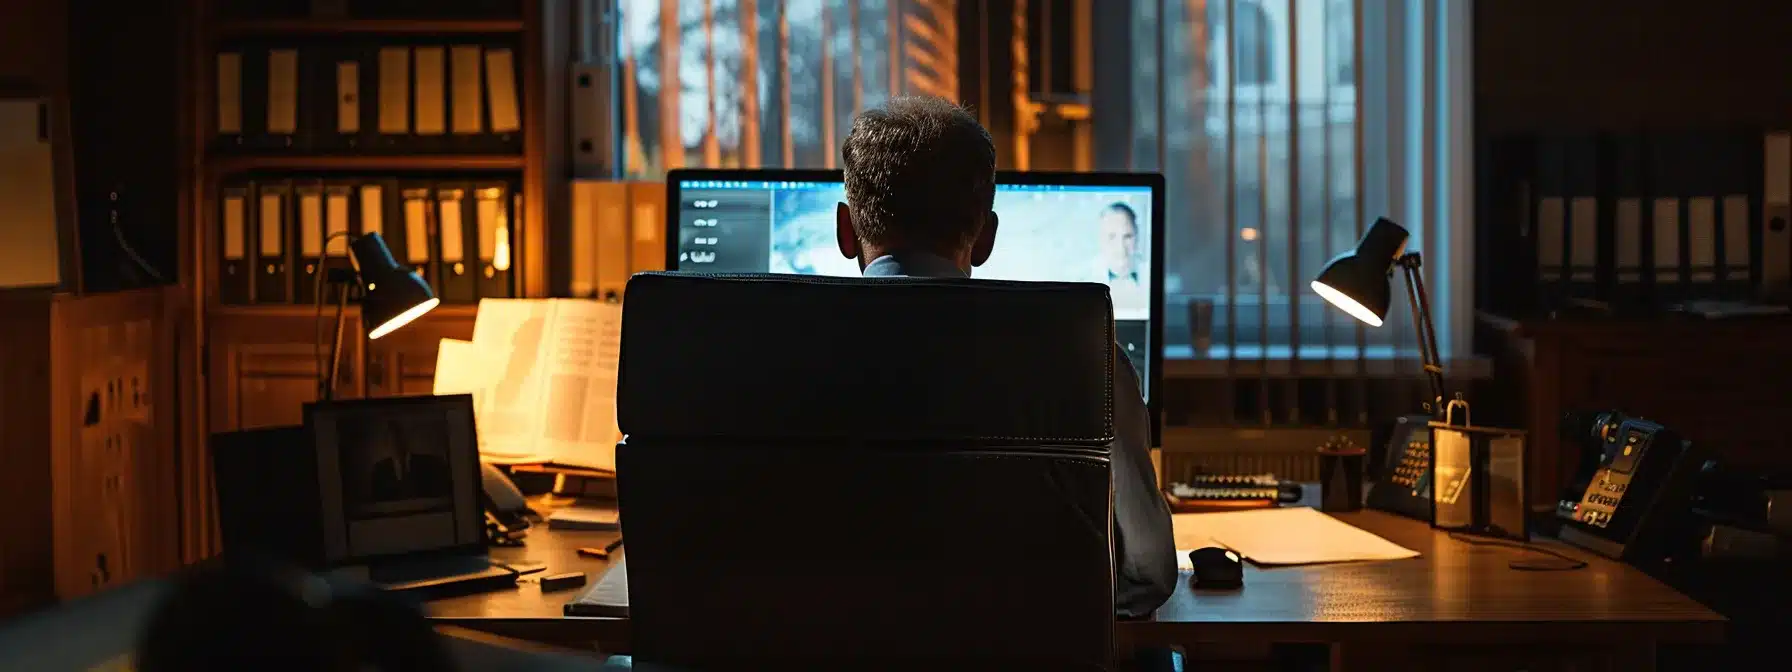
(1257, 134)
(1267, 189)
(769, 83)
(1254, 43)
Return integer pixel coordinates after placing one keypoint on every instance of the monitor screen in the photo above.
(1066, 227)
(399, 475)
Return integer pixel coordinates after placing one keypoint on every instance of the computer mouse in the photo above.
(1217, 568)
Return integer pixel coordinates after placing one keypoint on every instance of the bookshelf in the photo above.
(232, 28)
(248, 364)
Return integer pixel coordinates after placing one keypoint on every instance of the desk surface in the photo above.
(1454, 592)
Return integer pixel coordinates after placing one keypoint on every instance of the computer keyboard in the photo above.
(1225, 492)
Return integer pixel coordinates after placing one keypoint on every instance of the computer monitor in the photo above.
(397, 476)
(1067, 227)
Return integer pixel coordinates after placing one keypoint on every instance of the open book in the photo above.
(542, 373)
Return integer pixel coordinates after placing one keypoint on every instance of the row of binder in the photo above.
(618, 229)
(360, 99)
(277, 236)
(369, 9)
(1700, 242)
(1653, 218)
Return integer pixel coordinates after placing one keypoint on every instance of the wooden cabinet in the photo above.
(404, 363)
(1719, 383)
(264, 363)
(88, 416)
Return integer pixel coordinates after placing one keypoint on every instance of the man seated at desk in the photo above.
(920, 188)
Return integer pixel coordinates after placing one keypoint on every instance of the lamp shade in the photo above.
(1357, 281)
(395, 295)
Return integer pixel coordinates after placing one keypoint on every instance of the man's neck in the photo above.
(918, 262)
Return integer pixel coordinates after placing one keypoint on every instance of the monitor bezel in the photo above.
(1153, 181)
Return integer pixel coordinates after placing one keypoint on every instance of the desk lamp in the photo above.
(392, 297)
(1357, 283)
(1475, 480)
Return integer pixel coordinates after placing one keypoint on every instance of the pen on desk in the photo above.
(601, 552)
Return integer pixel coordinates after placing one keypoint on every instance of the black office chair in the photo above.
(836, 473)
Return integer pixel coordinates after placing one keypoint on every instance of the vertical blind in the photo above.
(770, 83)
(1283, 129)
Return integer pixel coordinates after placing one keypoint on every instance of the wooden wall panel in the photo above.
(113, 447)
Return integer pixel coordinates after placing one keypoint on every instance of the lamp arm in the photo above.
(1429, 356)
(326, 384)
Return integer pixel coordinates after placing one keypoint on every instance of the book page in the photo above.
(509, 332)
(579, 384)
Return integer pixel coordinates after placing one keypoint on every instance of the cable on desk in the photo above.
(1532, 565)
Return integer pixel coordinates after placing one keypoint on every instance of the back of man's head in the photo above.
(920, 174)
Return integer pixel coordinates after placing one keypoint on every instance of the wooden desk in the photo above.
(1458, 606)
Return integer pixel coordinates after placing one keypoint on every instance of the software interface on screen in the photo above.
(1065, 233)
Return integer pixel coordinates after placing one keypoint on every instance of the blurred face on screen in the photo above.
(1119, 241)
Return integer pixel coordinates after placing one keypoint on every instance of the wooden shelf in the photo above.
(237, 28)
(221, 165)
(444, 311)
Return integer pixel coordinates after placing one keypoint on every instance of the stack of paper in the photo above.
(1283, 536)
(542, 373)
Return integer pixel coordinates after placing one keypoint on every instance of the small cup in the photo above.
(1200, 326)
(1341, 478)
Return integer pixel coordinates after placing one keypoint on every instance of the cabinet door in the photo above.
(264, 368)
(404, 363)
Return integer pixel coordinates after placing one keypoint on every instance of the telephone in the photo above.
(1403, 484)
(1639, 479)
(507, 513)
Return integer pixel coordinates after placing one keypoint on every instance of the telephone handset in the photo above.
(1638, 487)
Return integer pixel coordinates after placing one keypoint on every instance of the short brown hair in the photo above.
(919, 172)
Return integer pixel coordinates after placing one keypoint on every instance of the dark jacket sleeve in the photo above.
(1144, 549)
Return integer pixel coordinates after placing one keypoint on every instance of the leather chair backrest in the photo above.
(829, 471)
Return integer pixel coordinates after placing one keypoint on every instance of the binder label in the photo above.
(1667, 239)
(488, 210)
(395, 90)
(373, 213)
(311, 225)
(230, 93)
(1701, 229)
(348, 97)
(431, 71)
(235, 242)
(336, 223)
(283, 91)
(500, 83)
(454, 248)
(416, 230)
(273, 211)
(469, 118)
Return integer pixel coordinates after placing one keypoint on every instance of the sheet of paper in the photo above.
(1282, 536)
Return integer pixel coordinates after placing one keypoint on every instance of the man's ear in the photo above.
(985, 242)
(843, 235)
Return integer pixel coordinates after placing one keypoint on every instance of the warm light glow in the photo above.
(1346, 304)
(1247, 233)
(403, 318)
(501, 250)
